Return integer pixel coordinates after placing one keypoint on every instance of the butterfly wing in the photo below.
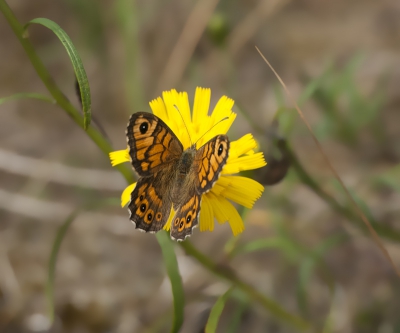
(207, 166)
(186, 218)
(150, 204)
(151, 143)
(154, 150)
(209, 161)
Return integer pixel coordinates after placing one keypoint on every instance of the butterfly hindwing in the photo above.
(150, 205)
(186, 217)
(151, 143)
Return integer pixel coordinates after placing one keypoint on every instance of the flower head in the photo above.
(200, 126)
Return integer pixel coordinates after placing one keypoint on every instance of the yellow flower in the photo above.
(229, 187)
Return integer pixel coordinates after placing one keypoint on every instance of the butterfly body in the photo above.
(170, 176)
(185, 163)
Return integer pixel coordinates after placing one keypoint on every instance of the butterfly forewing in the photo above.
(151, 143)
(209, 161)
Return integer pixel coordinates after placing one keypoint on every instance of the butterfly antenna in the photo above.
(183, 120)
(220, 121)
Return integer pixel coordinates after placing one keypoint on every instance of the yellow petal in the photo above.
(246, 162)
(235, 220)
(201, 105)
(158, 107)
(206, 215)
(216, 203)
(174, 119)
(242, 190)
(184, 107)
(242, 146)
(204, 131)
(178, 110)
(224, 211)
(167, 225)
(222, 110)
(119, 156)
(126, 194)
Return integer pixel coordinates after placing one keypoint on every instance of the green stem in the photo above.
(229, 275)
(52, 263)
(51, 86)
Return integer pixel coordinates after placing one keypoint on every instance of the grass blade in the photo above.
(167, 248)
(76, 63)
(290, 250)
(216, 312)
(25, 96)
(52, 264)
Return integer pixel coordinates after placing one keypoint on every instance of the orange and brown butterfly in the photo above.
(182, 185)
(169, 175)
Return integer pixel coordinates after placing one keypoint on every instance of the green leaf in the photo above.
(289, 248)
(76, 63)
(52, 263)
(25, 96)
(167, 248)
(216, 311)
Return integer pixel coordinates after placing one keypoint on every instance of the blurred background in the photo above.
(303, 245)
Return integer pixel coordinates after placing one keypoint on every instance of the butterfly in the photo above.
(170, 176)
